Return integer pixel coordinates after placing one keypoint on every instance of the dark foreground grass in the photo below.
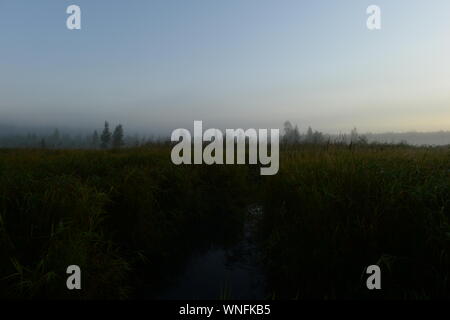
(109, 212)
(331, 213)
(124, 216)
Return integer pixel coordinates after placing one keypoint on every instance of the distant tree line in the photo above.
(107, 140)
(291, 135)
(55, 140)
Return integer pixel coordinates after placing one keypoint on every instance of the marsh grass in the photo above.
(332, 212)
(116, 214)
(126, 216)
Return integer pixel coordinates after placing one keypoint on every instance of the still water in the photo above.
(223, 272)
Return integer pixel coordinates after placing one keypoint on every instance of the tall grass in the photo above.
(112, 213)
(125, 217)
(331, 212)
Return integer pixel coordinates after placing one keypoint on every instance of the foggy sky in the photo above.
(158, 65)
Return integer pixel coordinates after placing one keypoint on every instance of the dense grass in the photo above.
(124, 216)
(108, 212)
(332, 212)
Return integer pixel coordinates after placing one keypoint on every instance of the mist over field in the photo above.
(11, 137)
(155, 66)
(350, 198)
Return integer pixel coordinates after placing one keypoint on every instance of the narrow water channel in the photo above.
(223, 272)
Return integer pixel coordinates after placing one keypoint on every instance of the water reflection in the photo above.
(223, 272)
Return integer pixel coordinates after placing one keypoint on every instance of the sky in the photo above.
(158, 65)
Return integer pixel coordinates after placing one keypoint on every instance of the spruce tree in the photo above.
(106, 136)
(117, 137)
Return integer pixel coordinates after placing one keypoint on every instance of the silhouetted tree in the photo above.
(106, 136)
(117, 137)
(291, 134)
(354, 135)
(287, 128)
(309, 135)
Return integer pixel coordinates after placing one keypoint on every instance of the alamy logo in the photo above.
(74, 280)
(213, 153)
(374, 20)
(374, 280)
(74, 20)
